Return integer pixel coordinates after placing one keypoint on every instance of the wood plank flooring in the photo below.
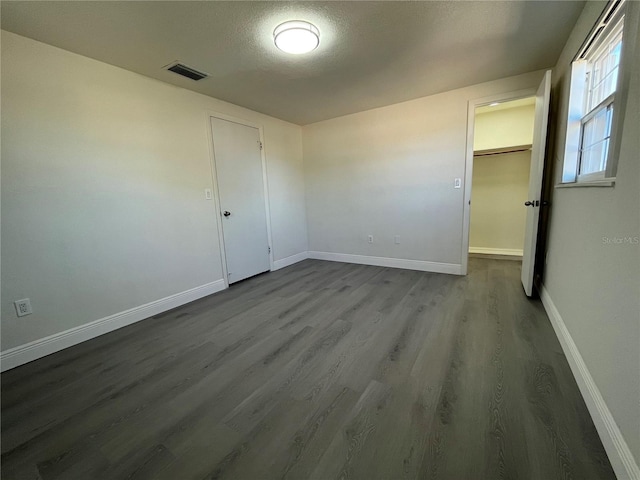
(321, 370)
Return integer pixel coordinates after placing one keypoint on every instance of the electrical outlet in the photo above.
(370, 238)
(23, 307)
(457, 183)
(396, 239)
(207, 194)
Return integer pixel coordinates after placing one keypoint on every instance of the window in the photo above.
(595, 78)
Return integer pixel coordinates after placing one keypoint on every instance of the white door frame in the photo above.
(216, 190)
(468, 167)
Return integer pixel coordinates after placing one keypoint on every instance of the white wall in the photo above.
(103, 178)
(508, 127)
(390, 171)
(498, 214)
(595, 285)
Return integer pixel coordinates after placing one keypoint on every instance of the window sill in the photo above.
(607, 182)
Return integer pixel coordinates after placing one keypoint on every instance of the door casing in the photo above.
(468, 173)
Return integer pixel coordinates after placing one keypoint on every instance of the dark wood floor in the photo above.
(322, 370)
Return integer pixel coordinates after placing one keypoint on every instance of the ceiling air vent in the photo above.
(185, 71)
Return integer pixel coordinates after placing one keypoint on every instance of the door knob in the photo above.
(528, 204)
(226, 213)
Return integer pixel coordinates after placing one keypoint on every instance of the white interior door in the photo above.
(238, 166)
(535, 182)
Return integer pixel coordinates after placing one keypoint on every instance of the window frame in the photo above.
(615, 26)
(607, 26)
(600, 174)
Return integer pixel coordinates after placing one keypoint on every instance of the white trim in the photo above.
(265, 183)
(422, 265)
(578, 90)
(513, 252)
(468, 166)
(216, 197)
(617, 449)
(285, 262)
(59, 341)
(607, 182)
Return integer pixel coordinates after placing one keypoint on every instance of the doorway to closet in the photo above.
(502, 142)
(498, 208)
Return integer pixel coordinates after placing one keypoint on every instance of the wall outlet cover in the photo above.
(23, 307)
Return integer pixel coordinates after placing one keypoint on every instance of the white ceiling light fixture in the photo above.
(296, 37)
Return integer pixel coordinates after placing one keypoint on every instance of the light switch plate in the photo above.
(457, 183)
(207, 194)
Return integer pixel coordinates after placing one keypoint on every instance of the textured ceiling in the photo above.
(371, 53)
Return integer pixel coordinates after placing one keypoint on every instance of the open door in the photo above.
(535, 182)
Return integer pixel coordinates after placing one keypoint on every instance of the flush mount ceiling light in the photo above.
(296, 37)
(494, 104)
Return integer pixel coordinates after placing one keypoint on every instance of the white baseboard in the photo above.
(59, 341)
(617, 449)
(422, 265)
(285, 262)
(512, 252)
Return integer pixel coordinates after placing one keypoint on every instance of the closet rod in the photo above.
(498, 151)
